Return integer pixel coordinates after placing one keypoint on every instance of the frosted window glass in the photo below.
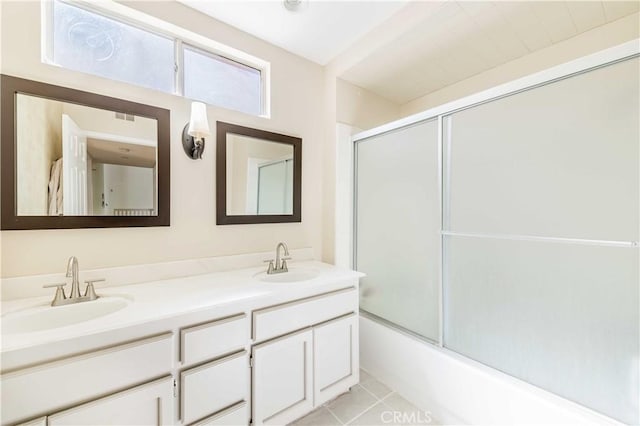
(397, 229)
(562, 317)
(91, 43)
(559, 160)
(219, 81)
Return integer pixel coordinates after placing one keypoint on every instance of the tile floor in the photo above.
(370, 403)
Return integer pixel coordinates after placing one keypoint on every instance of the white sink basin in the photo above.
(293, 275)
(46, 317)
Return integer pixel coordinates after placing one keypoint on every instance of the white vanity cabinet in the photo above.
(313, 359)
(269, 357)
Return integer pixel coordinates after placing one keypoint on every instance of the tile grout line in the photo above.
(378, 401)
(363, 411)
(376, 396)
(334, 416)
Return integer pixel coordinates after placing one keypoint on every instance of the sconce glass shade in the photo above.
(198, 124)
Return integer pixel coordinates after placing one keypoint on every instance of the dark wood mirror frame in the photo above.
(10, 87)
(222, 129)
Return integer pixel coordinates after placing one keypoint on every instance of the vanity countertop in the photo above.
(163, 299)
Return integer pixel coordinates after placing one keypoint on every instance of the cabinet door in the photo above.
(148, 404)
(282, 379)
(335, 348)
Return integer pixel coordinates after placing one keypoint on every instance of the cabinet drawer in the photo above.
(236, 415)
(149, 404)
(63, 382)
(212, 387)
(209, 340)
(281, 319)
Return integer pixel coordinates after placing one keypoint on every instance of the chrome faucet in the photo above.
(74, 297)
(281, 263)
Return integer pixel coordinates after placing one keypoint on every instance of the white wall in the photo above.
(344, 195)
(612, 34)
(296, 105)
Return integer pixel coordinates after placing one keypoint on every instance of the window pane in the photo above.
(219, 81)
(88, 42)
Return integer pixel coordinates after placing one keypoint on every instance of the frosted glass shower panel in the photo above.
(563, 317)
(559, 160)
(397, 228)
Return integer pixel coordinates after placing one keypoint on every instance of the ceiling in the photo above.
(319, 31)
(460, 39)
(109, 151)
(402, 50)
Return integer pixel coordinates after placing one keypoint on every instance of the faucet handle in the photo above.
(90, 290)
(59, 285)
(60, 296)
(271, 267)
(283, 264)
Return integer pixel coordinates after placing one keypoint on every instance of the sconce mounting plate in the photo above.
(190, 148)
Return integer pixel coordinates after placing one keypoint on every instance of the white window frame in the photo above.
(126, 15)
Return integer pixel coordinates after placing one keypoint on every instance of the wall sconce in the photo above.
(195, 131)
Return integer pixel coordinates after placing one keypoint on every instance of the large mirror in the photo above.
(72, 159)
(258, 176)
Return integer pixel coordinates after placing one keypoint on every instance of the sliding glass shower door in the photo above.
(525, 209)
(398, 227)
(541, 258)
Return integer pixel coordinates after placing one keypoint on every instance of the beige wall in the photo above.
(612, 34)
(361, 108)
(39, 134)
(296, 88)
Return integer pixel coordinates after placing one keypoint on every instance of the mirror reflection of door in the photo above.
(275, 187)
(75, 160)
(74, 168)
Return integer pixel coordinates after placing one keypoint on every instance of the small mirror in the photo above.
(73, 159)
(258, 176)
